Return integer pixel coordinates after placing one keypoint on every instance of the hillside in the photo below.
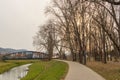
(10, 50)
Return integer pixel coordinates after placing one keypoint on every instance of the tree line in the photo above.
(88, 29)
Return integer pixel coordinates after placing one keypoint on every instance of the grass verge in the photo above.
(110, 71)
(7, 65)
(50, 70)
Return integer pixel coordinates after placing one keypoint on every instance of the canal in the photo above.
(15, 73)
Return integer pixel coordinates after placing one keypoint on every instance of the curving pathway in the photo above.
(78, 71)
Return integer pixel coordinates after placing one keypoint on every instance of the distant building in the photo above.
(55, 56)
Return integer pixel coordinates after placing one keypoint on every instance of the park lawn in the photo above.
(8, 64)
(110, 71)
(47, 70)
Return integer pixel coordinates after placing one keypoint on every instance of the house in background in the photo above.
(40, 55)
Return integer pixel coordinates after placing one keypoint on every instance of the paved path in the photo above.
(78, 71)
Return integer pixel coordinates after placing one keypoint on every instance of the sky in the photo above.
(19, 21)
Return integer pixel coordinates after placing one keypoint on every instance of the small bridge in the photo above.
(25, 55)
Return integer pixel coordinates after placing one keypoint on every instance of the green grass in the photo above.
(110, 71)
(34, 71)
(7, 65)
(39, 70)
(50, 70)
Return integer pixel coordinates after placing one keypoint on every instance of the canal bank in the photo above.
(15, 73)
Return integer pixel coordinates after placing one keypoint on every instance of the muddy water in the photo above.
(15, 73)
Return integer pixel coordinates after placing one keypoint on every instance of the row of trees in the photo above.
(82, 27)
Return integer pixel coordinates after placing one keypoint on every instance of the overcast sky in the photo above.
(19, 21)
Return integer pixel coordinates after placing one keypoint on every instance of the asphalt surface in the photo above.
(78, 71)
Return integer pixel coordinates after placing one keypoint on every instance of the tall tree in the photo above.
(45, 38)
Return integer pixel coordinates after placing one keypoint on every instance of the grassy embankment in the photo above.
(7, 65)
(39, 70)
(50, 70)
(110, 71)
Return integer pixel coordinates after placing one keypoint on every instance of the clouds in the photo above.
(19, 20)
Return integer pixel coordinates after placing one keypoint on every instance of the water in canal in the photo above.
(16, 73)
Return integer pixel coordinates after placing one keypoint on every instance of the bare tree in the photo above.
(45, 38)
(81, 26)
(113, 2)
